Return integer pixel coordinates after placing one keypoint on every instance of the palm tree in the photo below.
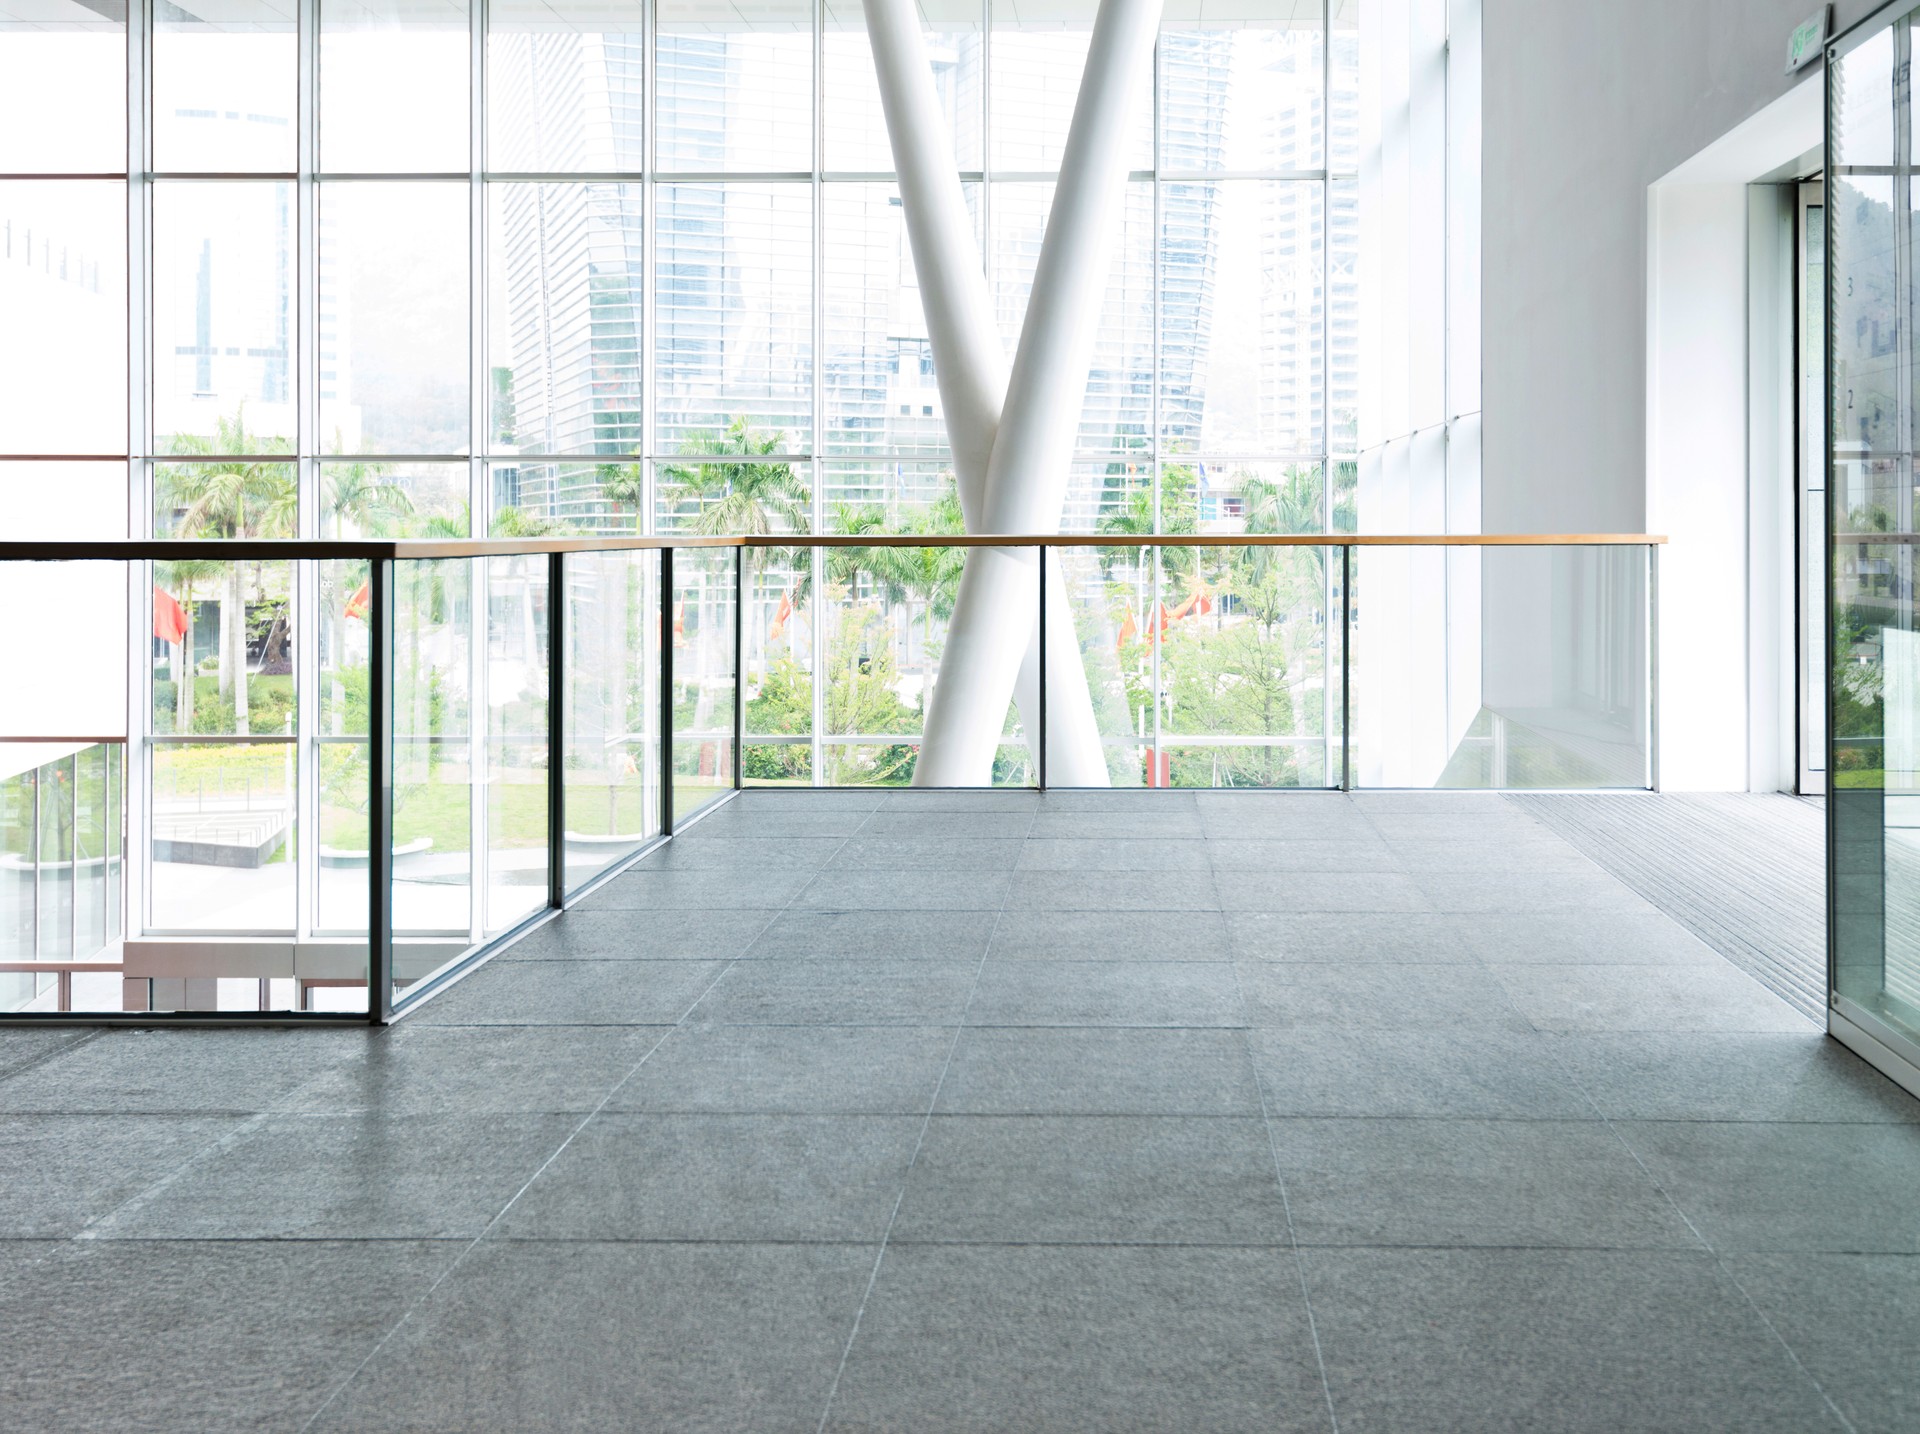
(1293, 505)
(360, 494)
(622, 486)
(517, 523)
(931, 574)
(753, 498)
(183, 577)
(231, 495)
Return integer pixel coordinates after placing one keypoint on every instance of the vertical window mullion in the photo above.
(139, 212)
(479, 722)
(480, 385)
(306, 380)
(816, 342)
(649, 262)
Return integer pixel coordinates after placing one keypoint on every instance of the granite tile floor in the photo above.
(913, 1112)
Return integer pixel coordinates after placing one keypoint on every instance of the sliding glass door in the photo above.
(1874, 639)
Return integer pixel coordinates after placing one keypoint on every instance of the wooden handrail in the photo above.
(427, 550)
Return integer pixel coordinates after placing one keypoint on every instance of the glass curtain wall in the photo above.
(379, 269)
(1874, 629)
(512, 269)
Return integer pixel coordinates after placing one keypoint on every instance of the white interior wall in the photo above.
(1697, 479)
(68, 626)
(1773, 762)
(1714, 299)
(1615, 312)
(1417, 682)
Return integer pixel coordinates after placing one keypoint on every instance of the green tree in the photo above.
(511, 522)
(1178, 513)
(183, 579)
(1231, 681)
(237, 489)
(623, 486)
(861, 698)
(359, 496)
(738, 497)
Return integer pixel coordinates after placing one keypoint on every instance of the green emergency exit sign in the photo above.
(1805, 44)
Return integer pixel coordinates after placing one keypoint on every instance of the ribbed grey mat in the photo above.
(1747, 874)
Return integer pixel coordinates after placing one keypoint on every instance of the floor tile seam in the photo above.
(147, 1194)
(1292, 962)
(451, 1241)
(1109, 960)
(1614, 1130)
(1184, 1119)
(1286, 1206)
(1603, 1118)
(421, 1299)
(13, 1113)
(897, 1242)
(1793, 1355)
(1108, 1025)
(54, 1052)
(54, 1244)
(1556, 1052)
(433, 1287)
(893, 1216)
(582, 959)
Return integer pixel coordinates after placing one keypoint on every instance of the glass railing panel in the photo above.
(1110, 592)
(1501, 667)
(61, 872)
(1240, 637)
(96, 846)
(222, 822)
(777, 638)
(441, 754)
(884, 622)
(224, 632)
(705, 675)
(611, 761)
(518, 758)
(340, 752)
(19, 857)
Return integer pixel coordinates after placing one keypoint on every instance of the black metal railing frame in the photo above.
(382, 557)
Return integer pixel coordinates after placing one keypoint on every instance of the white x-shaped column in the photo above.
(1011, 432)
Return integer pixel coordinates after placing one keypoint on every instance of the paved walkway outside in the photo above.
(996, 1112)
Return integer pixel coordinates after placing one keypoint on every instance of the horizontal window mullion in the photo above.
(284, 456)
(329, 176)
(1196, 176)
(711, 176)
(324, 458)
(223, 739)
(168, 176)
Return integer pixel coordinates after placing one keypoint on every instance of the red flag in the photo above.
(1156, 619)
(1160, 769)
(680, 623)
(361, 600)
(780, 616)
(1128, 631)
(169, 618)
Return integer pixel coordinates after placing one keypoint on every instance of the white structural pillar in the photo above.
(993, 618)
(969, 363)
(971, 369)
